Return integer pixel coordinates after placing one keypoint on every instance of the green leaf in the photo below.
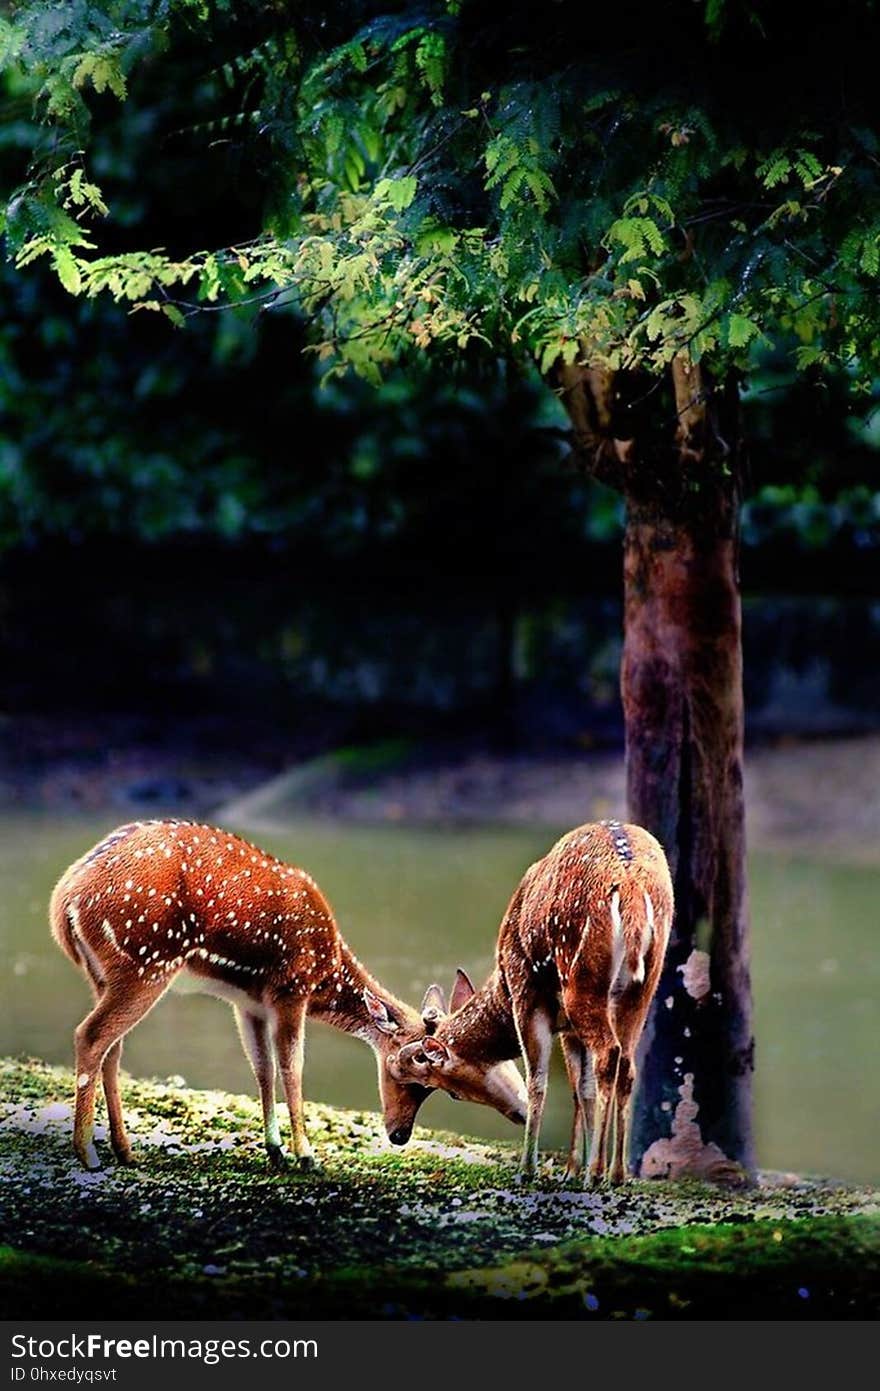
(775, 169)
(66, 269)
(741, 331)
(103, 71)
(869, 260)
(549, 355)
(431, 63)
(808, 167)
(401, 192)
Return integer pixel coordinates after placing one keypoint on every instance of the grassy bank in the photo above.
(200, 1226)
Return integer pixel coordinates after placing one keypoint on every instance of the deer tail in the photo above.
(632, 935)
(61, 920)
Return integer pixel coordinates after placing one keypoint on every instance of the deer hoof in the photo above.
(617, 1176)
(572, 1172)
(88, 1157)
(306, 1163)
(123, 1155)
(277, 1158)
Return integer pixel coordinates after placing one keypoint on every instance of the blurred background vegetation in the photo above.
(146, 473)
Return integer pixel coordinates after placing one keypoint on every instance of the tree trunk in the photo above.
(682, 694)
(681, 683)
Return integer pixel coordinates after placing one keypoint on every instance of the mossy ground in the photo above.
(200, 1227)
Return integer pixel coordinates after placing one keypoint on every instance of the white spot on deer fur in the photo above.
(615, 912)
(649, 919)
(618, 943)
(82, 1080)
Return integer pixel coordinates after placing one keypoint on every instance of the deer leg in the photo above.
(118, 1134)
(122, 1004)
(535, 1031)
(110, 1076)
(573, 1053)
(290, 1018)
(629, 1021)
(579, 1066)
(254, 1034)
(590, 1020)
(622, 1106)
(606, 1060)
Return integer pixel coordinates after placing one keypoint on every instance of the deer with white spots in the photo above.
(579, 953)
(156, 899)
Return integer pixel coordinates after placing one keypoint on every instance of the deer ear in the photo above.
(436, 1052)
(462, 990)
(433, 1007)
(379, 1013)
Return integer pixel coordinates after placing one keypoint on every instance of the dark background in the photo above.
(192, 526)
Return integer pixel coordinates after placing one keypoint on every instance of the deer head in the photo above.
(447, 1056)
(394, 1028)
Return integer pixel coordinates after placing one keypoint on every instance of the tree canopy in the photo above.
(545, 182)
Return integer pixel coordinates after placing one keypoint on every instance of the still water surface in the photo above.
(414, 904)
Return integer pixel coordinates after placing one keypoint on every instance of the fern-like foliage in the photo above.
(453, 176)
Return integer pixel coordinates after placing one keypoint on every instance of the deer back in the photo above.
(598, 904)
(153, 897)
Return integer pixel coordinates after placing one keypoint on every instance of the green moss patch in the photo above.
(440, 1229)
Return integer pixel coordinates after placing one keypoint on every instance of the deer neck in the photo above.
(340, 1001)
(483, 1028)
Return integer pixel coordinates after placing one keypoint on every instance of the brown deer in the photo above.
(579, 953)
(157, 898)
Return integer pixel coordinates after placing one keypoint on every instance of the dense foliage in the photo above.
(446, 183)
(457, 173)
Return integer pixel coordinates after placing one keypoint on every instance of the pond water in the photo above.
(414, 904)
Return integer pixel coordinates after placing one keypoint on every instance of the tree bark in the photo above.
(681, 682)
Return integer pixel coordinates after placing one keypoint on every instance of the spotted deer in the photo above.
(579, 953)
(156, 899)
